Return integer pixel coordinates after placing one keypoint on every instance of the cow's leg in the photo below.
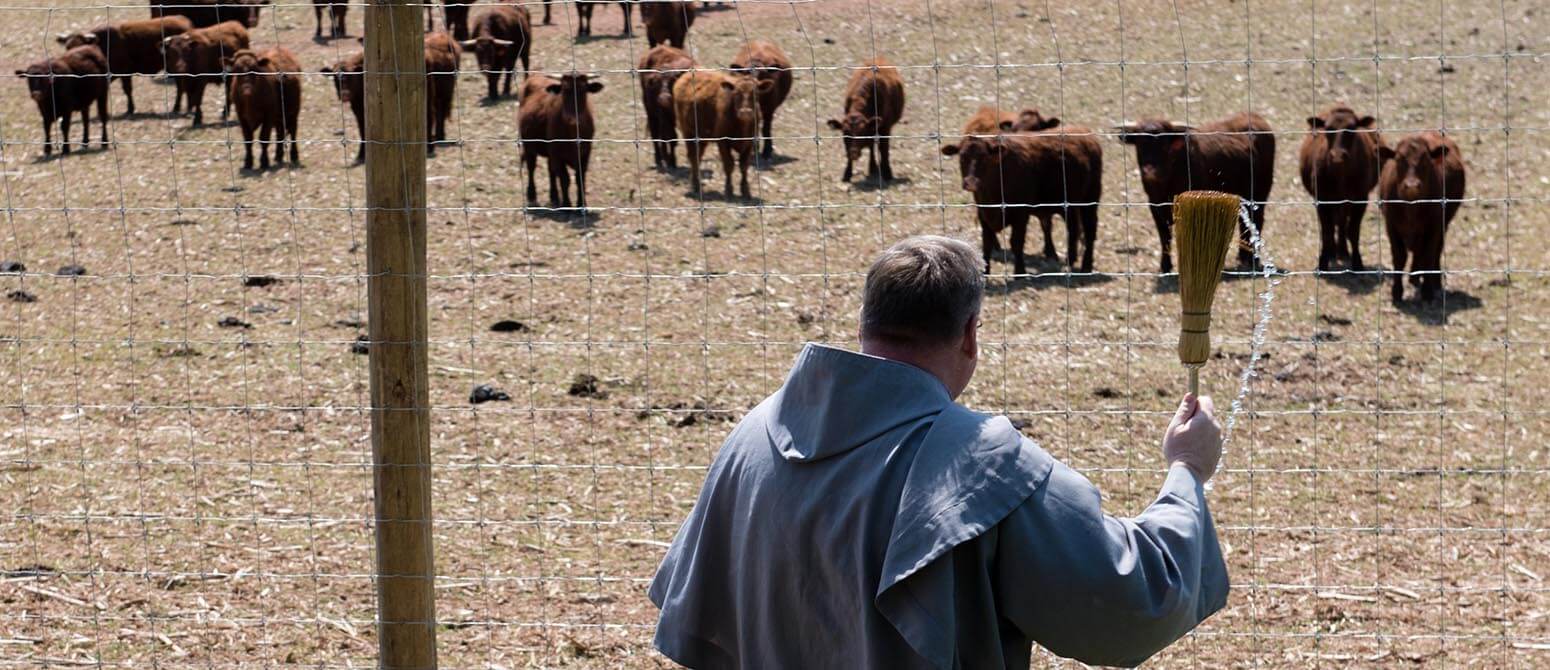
(128, 82)
(48, 136)
(988, 242)
(177, 96)
(1429, 259)
(766, 126)
(317, 14)
(882, 145)
(226, 95)
(743, 157)
(559, 173)
(86, 127)
(1397, 257)
(264, 133)
(1162, 217)
(1047, 225)
(1353, 232)
(627, 19)
(360, 132)
(548, 19)
(849, 168)
(583, 158)
(1246, 249)
(247, 147)
(64, 133)
(1073, 218)
(530, 160)
(725, 147)
(102, 114)
(196, 101)
(1089, 214)
(1018, 218)
(871, 159)
(1329, 215)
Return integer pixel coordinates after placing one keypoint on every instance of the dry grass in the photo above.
(200, 496)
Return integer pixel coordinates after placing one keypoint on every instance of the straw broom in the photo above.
(1205, 223)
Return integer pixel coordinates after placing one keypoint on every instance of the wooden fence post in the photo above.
(400, 394)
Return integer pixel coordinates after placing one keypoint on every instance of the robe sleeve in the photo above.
(1105, 590)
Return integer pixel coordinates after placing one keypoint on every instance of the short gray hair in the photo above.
(922, 291)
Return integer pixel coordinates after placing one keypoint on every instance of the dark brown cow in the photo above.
(584, 16)
(1015, 174)
(555, 121)
(874, 102)
(197, 58)
(337, 9)
(454, 18)
(1030, 121)
(1234, 155)
(1419, 191)
(350, 86)
(502, 35)
(766, 61)
(721, 107)
(67, 84)
(266, 90)
(441, 66)
(660, 68)
(206, 13)
(667, 22)
(132, 47)
(1339, 165)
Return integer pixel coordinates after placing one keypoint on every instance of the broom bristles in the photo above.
(1205, 223)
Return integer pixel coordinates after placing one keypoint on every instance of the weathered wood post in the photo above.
(400, 394)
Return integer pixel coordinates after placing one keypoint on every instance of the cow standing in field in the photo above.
(502, 35)
(874, 102)
(350, 87)
(266, 89)
(661, 68)
(132, 47)
(336, 13)
(584, 16)
(197, 58)
(766, 62)
(67, 84)
(1419, 191)
(1234, 155)
(1339, 165)
(441, 66)
(667, 22)
(555, 122)
(207, 13)
(1014, 175)
(724, 108)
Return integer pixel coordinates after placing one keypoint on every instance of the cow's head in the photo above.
(40, 82)
(1416, 165)
(346, 76)
(243, 65)
(1029, 121)
(489, 51)
(179, 52)
(859, 131)
(658, 84)
(977, 155)
(76, 39)
(573, 88)
(743, 91)
(1158, 143)
(1338, 127)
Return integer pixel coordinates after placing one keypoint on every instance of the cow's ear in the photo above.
(1006, 126)
(327, 69)
(553, 89)
(264, 62)
(1439, 152)
(1315, 122)
(361, 40)
(23, 74)
(1365, 122)
(765, 85)
(1048, 123)
(833, 123)
(1385, 153)
(594, 86)
(727, 84)
(949, 150)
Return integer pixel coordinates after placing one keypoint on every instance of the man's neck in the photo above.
(932, 361)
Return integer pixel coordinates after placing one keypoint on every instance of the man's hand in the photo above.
(1194, 438)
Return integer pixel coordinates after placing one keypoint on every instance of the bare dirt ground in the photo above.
(181, 493)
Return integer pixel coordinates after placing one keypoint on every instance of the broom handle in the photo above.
(1194, 380)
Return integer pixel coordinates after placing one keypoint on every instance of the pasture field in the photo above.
(179, 493)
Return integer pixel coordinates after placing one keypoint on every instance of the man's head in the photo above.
(921, 306)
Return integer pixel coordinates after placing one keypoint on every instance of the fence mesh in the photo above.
(185, 466)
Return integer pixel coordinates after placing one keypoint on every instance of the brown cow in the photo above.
(197, 58)
(667, 22)
(1234, 155)
(132, 47)
(1419, 191)
(67, 84)
(584, 16)
(874, 102)
(454, 19)
(502, 35)
(1030, 121)
(766, 61)
(350, 86)
(266, 89)
(1015, 174)
(441, 65)
(336, 13)
(660, 68)
(1339, 164)
(206, 13)
(555, 121)
(721, 107)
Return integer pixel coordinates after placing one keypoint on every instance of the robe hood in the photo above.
(836, 400)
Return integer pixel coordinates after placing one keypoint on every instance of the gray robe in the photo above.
(858, 518)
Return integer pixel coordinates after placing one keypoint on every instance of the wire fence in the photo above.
(185, 417)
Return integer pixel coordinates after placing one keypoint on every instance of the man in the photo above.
(858, 518)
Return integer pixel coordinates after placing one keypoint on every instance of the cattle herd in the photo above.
(1014, 165)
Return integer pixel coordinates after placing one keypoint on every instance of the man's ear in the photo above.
(971, 329)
